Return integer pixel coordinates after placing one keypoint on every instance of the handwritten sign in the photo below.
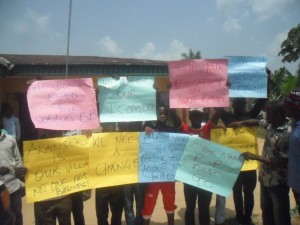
(60, 166)
(114, 159)
(247, 76)
(198, 83)
(209, 166)
(56, 167)
(67, 104)
(160, 154)
(242, 139)
(127, 99)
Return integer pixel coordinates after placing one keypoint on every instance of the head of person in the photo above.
(196, 116)
(132, 126)
(206, 113)
(275, 113)
(123, 126)
(1, 123)
(292, 104)
(239, 105)
(108, 127)
(162, 114)
(46, 133)
(6, 109)
(135, 126)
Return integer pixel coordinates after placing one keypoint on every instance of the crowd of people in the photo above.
(279, 171)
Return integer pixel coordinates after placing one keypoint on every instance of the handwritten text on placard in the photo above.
(127, 99)
(66, 104)
(57, 166)
(209, 166)
(60, 166)
(242, 139)
(114, 159)
(198, 83)
(247, 76)
(160, 154)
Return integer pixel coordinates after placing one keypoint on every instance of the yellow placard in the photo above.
(60, 166)
(114, 159)
(243, 139)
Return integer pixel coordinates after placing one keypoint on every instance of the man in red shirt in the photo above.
(197, 117)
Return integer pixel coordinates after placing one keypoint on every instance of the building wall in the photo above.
(20, 84)
(12, 87)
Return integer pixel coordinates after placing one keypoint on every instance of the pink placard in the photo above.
(67, 104)
(199, 83)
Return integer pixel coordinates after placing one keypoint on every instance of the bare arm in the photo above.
(246, 123)
(279, 163)
(5, 199)
(177, 121)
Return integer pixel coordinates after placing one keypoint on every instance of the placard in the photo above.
(198, 83)
(127, 99)
(66, 104)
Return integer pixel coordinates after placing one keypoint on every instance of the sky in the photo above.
(149, 29)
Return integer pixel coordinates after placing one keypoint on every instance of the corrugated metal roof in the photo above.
(76, 60)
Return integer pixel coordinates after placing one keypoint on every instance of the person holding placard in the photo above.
(243, 189)
(220, 214)
(133, 191)
(292, 106)
(109, 197)
(59, 208)
(77, 197)
(12, 172)
(274, 191)
(191, 193)
(167, 188)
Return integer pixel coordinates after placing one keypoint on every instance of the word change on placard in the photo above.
(114, 159)
(60, 166)
(209, 166)
(248, 77)
(67, 104)
(127, 99)
(198, 83)
(242, 139)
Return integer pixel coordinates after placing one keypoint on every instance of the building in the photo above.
(16, 72)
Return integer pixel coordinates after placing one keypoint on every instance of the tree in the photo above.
(281, 83)
(290, 48)
(191, 55)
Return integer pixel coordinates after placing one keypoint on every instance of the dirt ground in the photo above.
(159, 216)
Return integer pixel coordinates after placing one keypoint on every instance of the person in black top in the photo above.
(133, 192)
(245, 184)
(109, 197)
(167, 188)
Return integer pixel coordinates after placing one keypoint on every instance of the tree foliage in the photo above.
(290, 48)
(281, 83)
(191, 55)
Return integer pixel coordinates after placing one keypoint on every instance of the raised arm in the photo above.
(244, 123)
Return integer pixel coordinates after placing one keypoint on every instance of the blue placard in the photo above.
(159, 156)
(127, 99)
(209, 166)
(247, 76)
